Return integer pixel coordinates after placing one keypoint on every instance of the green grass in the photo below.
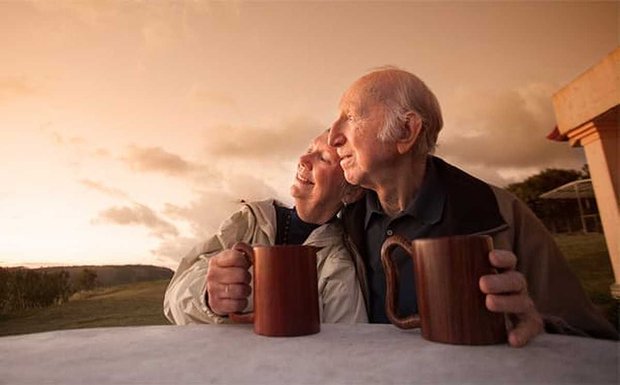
(588, 257)
(124, 305)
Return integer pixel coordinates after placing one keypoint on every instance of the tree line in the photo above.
(22, 289)
(558, 215)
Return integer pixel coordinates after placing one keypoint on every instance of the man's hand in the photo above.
(507, 293)
(228, 280)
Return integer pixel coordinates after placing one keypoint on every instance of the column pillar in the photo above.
(601, 144)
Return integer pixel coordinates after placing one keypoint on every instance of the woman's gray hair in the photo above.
(405, 95)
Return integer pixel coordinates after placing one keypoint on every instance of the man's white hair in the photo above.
(405, 96)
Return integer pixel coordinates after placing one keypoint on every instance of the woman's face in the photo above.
(319, 184)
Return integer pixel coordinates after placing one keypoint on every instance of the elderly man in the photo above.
(385, 134)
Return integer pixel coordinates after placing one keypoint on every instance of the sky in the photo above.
(130, 129)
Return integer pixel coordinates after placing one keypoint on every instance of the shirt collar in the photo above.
(372, 207)
(298, 223)
(426, 207)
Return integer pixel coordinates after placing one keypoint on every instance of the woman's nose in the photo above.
(304, 162)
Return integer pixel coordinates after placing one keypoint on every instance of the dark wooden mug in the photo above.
(285, 292)
(451, 306)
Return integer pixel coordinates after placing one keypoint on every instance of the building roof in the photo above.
(581, 188)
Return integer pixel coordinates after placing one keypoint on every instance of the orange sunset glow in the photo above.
(129, 130)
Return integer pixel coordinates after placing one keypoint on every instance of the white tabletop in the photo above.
(233, 354)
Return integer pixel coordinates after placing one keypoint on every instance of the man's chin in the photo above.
(351, 177)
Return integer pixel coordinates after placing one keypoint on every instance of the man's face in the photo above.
(355, 136)
(319, 183)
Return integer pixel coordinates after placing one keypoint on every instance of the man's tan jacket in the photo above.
(473, 207)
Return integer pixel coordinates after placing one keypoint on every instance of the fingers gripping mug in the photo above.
(451, 307)
(285, 292)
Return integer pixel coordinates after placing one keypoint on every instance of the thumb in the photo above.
(246, 250)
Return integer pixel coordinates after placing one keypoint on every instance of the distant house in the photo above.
(579, 193)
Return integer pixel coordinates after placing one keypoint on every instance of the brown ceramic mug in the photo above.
(285, 292)
(451, 306)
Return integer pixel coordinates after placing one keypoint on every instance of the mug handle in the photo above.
(391, 275)
(248, 252)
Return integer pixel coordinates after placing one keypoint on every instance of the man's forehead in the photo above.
(361, 94)
(352, 100)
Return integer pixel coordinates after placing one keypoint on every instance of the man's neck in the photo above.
(400, 185)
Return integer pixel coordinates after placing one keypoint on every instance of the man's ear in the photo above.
(410, 133)
(352, 193)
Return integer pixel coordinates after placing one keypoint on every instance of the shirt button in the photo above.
(389, 233)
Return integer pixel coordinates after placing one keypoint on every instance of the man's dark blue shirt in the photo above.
(412, 223)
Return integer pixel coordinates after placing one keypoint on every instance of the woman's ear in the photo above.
(410, 133)
(352, 193)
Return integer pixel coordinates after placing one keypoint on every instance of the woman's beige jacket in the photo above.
(340, 297)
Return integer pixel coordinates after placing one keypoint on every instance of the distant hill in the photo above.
(110, 275)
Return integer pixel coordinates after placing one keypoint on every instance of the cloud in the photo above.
(101, 152)
(86, 11)
(156, 159)
(138, 215)
(168, 23)
(61, 140)
(217, 198)
(170, 251)
(13, 87)
(212, 98)
(97, 186)
(248, 187)
(502, 135)
(283, 142)
(204, 216)
(76, 143)
(206, 213)
(76, 151)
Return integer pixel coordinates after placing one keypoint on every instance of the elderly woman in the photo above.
(213, 279)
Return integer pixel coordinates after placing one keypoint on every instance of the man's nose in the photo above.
(335, 137)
